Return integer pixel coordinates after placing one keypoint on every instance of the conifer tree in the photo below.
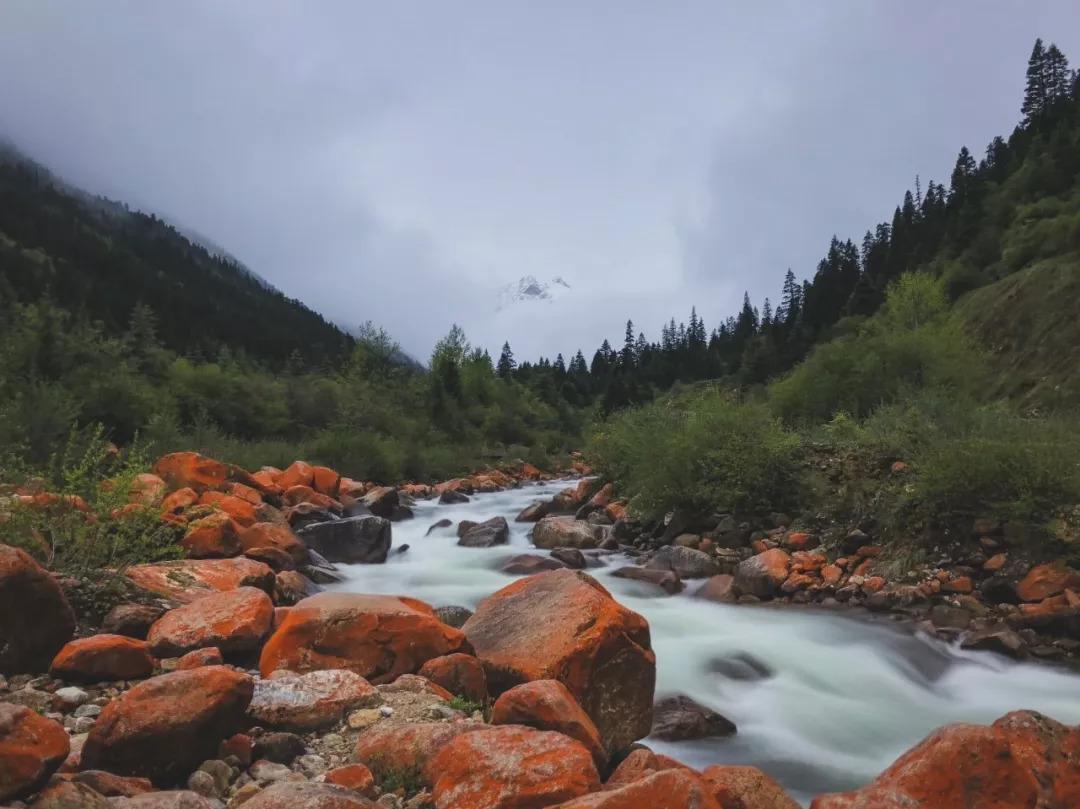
(506, 366)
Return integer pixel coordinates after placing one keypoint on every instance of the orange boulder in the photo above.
(746, 788)
(188, 580)
(762, 575)
(548, 705)
(667, 789)
(377, 636)
(191, 469)
(213, 536)
(510, 767)
(388, 749)
(165, 726)
(325, 481)
(274, 535)
(460, 674)
(179, 500)
(239, 509)
(356, 777)
(103, 657)
(35, 617)
(563, 625)
(1044, 581)
(233, 621)
(31, 748)
(147, 489)
(641, 763)
(298, 474)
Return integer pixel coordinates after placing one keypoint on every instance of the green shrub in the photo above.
(701, 451)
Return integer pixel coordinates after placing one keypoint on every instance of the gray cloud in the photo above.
(399, 162)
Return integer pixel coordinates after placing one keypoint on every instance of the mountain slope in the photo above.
(95, 258)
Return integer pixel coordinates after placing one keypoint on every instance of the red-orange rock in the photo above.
(325, 481)
(179, 500)
(745, 788)
(1023, 759)
(35, 618)
(147, 489)
(109, 785)
(800, 541)
(273, 535)
(530, 472)
(245, 492)
(1043, 581)
(641, 763)
(995, 562)
(266, 481)
(208, 656)
(31, 748)
(233, 621)
(831, 575)
(388, 749)
(616, 511)
(510, 767)
(191, 469)
(415, 684)
(239, 509)
(165, 726)
(297, 474)
(961, 584)
(563, 625)
(667, 789)
(213, 536)
(796, 582)
(356, 777)
(460, 674)
(302, 795)
(378, 637)
(548, 705)
(873, 584)
(762, 575)
(191, 579)
(103, 657)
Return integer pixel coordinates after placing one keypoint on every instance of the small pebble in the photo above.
(203, 782)
(70, 697)
(311, 765)
(386, 710)
(87, 710)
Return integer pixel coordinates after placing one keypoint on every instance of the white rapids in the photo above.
(823, 701)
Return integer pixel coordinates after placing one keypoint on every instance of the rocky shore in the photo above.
(227, 677)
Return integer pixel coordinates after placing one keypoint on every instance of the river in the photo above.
(841, 695)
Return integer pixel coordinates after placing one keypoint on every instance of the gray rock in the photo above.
(564, 532)
(87, 710)
(69, 697)
(364, 540)
(526, 564)
(944, 616)
(686, 563)
(571, 557)
(997, 638)
(307, 795)
(443, 523)
(679, 717)
(279, 747)
(270, 772)
(310, 701)
(666, 580)
(449, 498)
(719, 588)
(173, 799)
(453, 615)
(311, 765)
(486, 534)
(203, 783)
(131, 620)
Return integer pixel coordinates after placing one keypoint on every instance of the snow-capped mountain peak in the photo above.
(528, 288)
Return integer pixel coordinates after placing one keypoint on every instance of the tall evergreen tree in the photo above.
(506, 365)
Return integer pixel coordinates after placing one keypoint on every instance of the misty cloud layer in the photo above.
(400, 162)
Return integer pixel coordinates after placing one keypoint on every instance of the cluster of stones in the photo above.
(989, 600)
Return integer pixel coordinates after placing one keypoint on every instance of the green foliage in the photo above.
(701, 451)
(466, 706)
(79, 531)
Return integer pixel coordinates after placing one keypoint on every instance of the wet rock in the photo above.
(103, 657)
(998, 638)
(526, 564)
(686, 563)
(353, 540)
(564, 625)
(450, 497)
(131, 620)
(720, 588)
(510, 767)
(571, 557)
(31, 749)
(381, 501)
(378, 637)
(320, 570)
(678, 718)
(533, 513)
(162, 728)
(453, 615)
(188, 580)
(548, 705)
(209, 656)
(1045, 581)
(564, 532)
(944, 616)
(234, 621)
(487, 534)
(310, 701)
(666, 580)
(292, 586)
(762, 575)
(443, 523)
(460, 674)
(35, 619)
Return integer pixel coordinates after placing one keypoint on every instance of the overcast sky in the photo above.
(399, 162)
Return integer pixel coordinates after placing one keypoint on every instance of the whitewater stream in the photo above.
(823, 700)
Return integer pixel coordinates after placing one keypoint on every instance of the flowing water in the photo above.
(823, 701)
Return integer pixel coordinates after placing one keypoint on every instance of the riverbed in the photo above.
(823, 700)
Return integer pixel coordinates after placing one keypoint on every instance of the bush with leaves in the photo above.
(700, 451)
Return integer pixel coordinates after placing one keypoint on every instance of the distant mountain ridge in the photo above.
(528, 289)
